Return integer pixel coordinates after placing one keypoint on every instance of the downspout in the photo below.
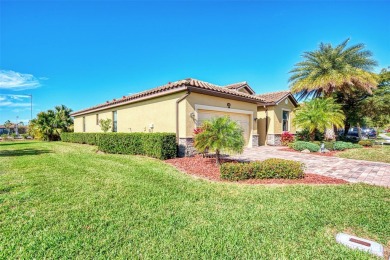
(177, 114)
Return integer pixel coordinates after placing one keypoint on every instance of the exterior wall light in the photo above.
(228, 105)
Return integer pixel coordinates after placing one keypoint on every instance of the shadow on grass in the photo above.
(22, 152)
(8, 143)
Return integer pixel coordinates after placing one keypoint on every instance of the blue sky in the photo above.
(81, 53)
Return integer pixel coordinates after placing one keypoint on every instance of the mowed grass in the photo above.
(378, 153)
(61, 200)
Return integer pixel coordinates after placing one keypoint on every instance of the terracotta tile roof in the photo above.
(239, 85)
(274, 97)
(236, 85)
(171, 86)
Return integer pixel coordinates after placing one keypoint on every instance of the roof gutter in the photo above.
(177, 114)
(105, 107)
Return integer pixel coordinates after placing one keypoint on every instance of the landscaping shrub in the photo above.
(367, 143)
(237, 171)
(346, 139)
(304, 135)
(340, 146)
(301, 145)
(81, 138)
(157, 145)
(279, 169)
(287, 138)
(268, 169)
(329, 145)
(317, 143)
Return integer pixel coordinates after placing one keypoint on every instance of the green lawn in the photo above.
(377, 154)
(62, 200)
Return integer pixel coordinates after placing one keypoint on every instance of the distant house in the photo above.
(183, 105)
(12, 129)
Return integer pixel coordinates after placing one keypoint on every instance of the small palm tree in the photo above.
(318, 114)
(218, 135)
(62, 118)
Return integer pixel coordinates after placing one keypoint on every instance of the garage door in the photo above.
(242, 119)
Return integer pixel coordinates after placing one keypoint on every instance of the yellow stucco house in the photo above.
(181, 106)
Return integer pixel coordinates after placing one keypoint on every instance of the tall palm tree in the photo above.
(332, 69)
(220, 134)
(318, 114)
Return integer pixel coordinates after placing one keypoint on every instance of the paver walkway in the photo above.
(347, 169)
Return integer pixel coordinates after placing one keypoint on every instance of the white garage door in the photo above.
(242, 119)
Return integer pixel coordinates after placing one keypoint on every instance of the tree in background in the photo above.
(335, 71)
(63, 119)
(105, 124)
(376, 108)
(50, 124)
(219, 135)
(318, 114)
(8, 125)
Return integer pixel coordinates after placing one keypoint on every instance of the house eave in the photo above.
(224, 95)
(94, 110)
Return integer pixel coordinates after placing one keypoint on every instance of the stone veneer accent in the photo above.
(274, 139)
(255, 140)
(186, 147)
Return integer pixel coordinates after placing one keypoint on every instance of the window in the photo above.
(114, 122)
(286, 118)
(83, 123)
(97, 119)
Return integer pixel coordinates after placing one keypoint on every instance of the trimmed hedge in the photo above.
(268, 169)
(157, 145)
(81, 138)
(301, 145)
(329, 145)
(238, 171)
(341, 146)
(367, 143)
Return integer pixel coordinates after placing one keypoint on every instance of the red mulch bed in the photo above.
(207, 168)
(330, 153)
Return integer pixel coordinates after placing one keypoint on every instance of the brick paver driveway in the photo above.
(347, 169)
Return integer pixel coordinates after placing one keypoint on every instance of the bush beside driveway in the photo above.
(375, 173)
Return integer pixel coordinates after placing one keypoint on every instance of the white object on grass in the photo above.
(360, 243)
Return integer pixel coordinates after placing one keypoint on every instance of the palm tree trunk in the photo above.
(312, 135)
(359, 131)
(217, 157)
(330, 134)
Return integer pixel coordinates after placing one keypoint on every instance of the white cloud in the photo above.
(2, 98)
(11, 104)
(17, 81)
